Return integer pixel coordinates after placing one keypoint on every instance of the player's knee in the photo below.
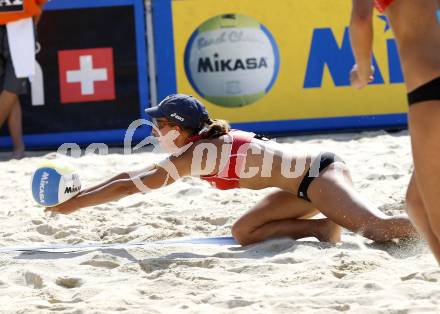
(241, 233)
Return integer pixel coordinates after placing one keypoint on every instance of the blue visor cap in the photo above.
(181, 109)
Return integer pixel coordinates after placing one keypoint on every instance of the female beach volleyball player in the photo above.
(208, 149)
(417, 31)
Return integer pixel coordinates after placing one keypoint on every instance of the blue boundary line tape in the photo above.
(65, 248)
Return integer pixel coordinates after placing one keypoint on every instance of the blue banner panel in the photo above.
(91, 80)
(164, 48)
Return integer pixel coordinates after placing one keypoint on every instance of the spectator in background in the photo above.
(16, 32)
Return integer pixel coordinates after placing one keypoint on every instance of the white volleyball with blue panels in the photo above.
(54, 183)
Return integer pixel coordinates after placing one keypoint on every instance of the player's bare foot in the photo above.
(329, 232)
(18, 153)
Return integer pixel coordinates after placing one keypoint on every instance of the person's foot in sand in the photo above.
(19, 152)
(329, 232)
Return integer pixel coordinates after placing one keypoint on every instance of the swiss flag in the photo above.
(86, 75)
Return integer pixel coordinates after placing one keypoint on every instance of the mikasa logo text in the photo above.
(72, 189)
(216, 64)
(43, 182)
(75, 187)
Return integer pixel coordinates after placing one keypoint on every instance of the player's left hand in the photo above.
(64, 208)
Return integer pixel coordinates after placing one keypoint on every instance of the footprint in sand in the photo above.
(430, 277)
(341, 307)
(173, 220)
(347, 266)
(373, 286)
(151, 265)
(61, 234)
(202, 263)
(252, 269)
(215, 221)
(117, 231)
(102, 261)
(433, 276)
(338, 275)
(69, 282)
(408, 277)
(33, 280)
(287, 260)
(189, 192)
(55, 300)
(37, 222)
(238, 303)
(121, 231)
(155, 297)
(46, 229)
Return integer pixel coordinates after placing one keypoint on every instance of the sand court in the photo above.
(276, 276)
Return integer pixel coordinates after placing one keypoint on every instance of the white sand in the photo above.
(281, 276)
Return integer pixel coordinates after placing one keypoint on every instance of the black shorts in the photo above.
(321, 162)
(426, 92)
(8, 79)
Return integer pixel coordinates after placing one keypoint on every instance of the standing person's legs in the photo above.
(9, 101)
(424, 125)
(419, 217)
(16, 130)
(417, 30)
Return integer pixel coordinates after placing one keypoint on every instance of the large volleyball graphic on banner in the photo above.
(232, 60)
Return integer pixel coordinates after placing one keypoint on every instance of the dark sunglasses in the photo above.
(161, 123)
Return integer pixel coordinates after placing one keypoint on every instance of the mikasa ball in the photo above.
(232, 60)
(53, 183)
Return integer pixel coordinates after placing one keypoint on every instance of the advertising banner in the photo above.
(91, 80)
(280, 66)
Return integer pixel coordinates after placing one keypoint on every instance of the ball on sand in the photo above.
(53, 183)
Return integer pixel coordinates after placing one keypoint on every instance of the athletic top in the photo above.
(229, 176)
(11, 11)
(382, 5)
